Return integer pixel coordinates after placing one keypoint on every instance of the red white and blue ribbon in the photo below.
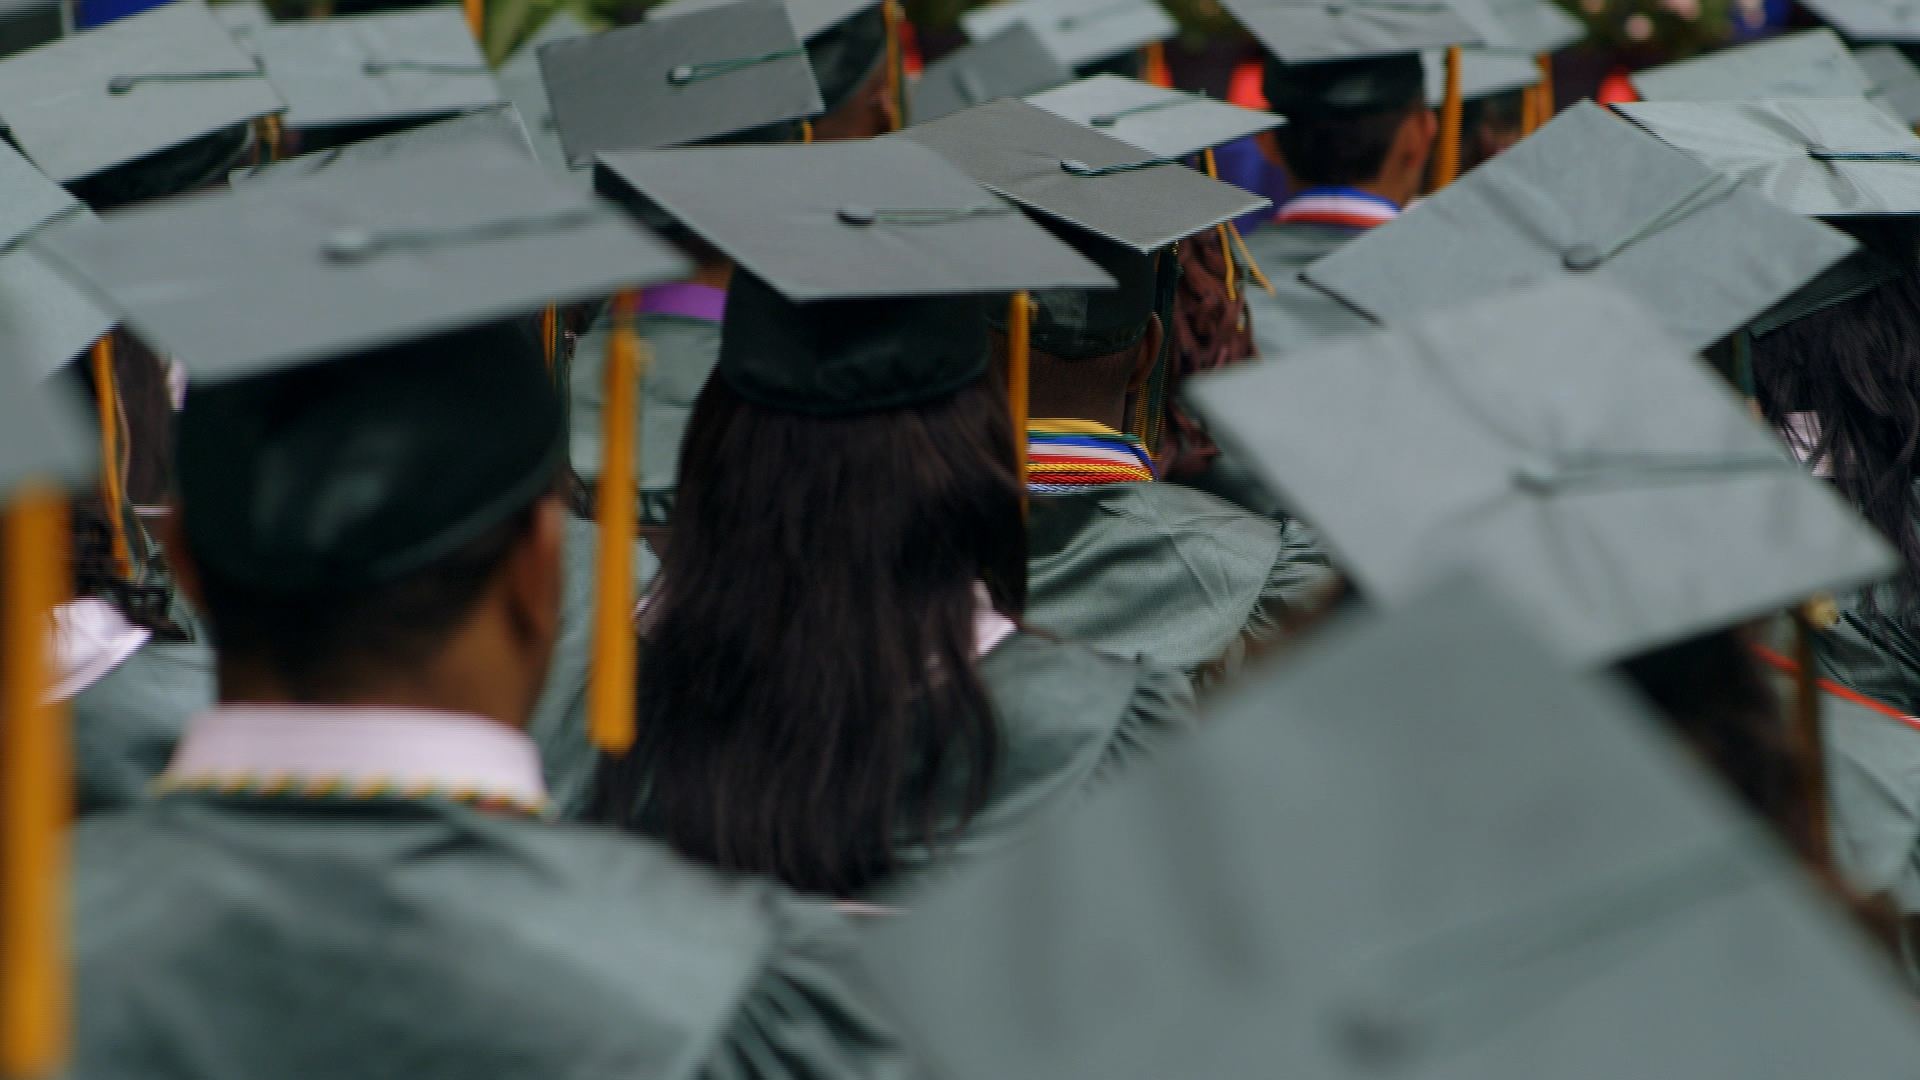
(1349, 207)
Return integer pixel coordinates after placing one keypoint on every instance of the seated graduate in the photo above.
(344, 871)
(833, 687)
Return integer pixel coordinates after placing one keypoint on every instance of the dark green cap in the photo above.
(1079, 176)
(1821, 157)
(1336, 89)
(1809, 64)
(165, 79)
(1896, 81)
(1555, 439)
(1078, 324)
(1423, 848)
(1165, 123)
(498, 124)
(352, 473)
(1077, 32)
(861, 270)
(680, 80)
(44, 319)
(275, 275)
(1011, 63)
(1588, 195)
(392, 66)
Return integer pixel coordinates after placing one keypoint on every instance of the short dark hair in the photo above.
(322, 642)
(1341, 150)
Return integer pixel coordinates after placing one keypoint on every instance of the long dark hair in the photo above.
(808, 694)
(1856, 368)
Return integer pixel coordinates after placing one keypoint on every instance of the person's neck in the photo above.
(241, 684)
(1396, 190)
(1111, 413)
(714, 275)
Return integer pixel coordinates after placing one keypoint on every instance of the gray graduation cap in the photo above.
(1588, 195)
(1554, 438)
(1166, 123)
(270, 275)
(243, 19)
(857, 219)
(1077, 32)
(1483, 72)
(84, 104)
(520, 80)
(1425, 849)
(1302, 31)
(1537, 26)
(1080, 176)
(1812, 63)
(1870, 20)
(671, 81)
(1011, 63)
(1896, 81)
(497, 124)
(44, 319)
(394, 65)
(809, 17)
(1825, 157)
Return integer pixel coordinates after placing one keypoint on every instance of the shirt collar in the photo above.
(357, 751)
(685, 299)
(1346, 206)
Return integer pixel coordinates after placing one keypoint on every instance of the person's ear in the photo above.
(532, 579)
(173, 541)
(1418, 135)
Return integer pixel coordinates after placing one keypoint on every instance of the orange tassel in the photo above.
(477, 20)
(107, 394)
(36, 795)
(896, 84)
(611, 681)
(1446, 153)
(1157, 71)
(1019, 312)
(549, 335)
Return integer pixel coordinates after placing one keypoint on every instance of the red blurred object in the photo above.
(1246, 89)
(910, 48)
(1616, 88)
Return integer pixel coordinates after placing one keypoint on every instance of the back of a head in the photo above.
(1840, 375)
(343, 518)
(1342, 115)
(847, 477)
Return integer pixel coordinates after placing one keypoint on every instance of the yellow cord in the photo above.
(611, 681)
(36, 795)
(112, 495)
(1226, 244)
(1246, 258)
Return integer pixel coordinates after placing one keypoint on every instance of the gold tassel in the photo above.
(896, 77)
(36, 795)
(549, 335)
(610, 684)
(1226, 243)
(477, 21)
(1545, 87)
(1246, 259)
(1157, 72)
(806, 131)
(1019, 311)
(107, 394)
(1446, 154)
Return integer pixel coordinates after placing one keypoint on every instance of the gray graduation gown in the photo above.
(300, 939)
(1298, 314)
(683, 352)
(1167, 572)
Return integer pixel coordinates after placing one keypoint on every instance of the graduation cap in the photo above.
(1556, 439)
(243, 19)
(1588, 195)
(1483, 73)
(810, 18)
(392, 66)
(1896, 81)
(1165, 123)
(1079, 176)
(152, 82)
(1870, 20)
(496, 124)
(671, 81)
(1812, 63)
(350, 259)
(845, 39)
(45, 320)
(1301, 32)
(1825, 157)
(1537, 26)
(520, 80)
(1077, 32)
(1011, 63)
(1427, 848)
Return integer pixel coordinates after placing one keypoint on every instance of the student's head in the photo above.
(847, 482)
(1844, 382)
(380, 529)
(1091, 350)
(190, 166)
(849, 60)
(1354, 123)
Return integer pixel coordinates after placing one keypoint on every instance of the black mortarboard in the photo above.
(1347, 87)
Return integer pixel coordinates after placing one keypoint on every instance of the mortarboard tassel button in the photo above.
(1580, 258)
(350, 245)
(854, 214)
(681, 75)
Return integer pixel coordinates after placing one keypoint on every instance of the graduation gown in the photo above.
(1165, 571)
(1297, 314)
(1869, 652)
(683, 351)
(127, 723)
(227, 938)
